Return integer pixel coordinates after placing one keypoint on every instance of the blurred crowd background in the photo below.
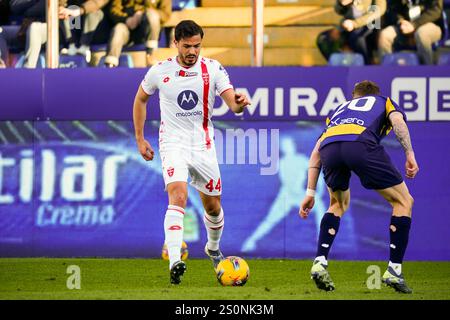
(138, 33)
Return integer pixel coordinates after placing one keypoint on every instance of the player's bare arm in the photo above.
(402, 133)
(313, 175)
(235, 101)
(139, 116)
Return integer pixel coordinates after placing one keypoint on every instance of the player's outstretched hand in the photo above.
(306, 206)
(411, 165)
(145, 150)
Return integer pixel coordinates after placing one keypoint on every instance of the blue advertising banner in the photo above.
(73, 184)
(80, 188)
(277, 93)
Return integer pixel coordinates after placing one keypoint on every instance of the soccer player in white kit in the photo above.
(187, 84)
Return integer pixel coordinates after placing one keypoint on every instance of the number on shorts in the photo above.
(218, 186)
(210, 186)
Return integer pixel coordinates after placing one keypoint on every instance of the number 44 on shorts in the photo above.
(210, 185)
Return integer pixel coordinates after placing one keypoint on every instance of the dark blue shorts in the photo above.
(370, 162)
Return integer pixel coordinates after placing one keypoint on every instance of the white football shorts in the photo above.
(201, 166)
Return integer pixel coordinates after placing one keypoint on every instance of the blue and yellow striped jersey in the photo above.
(362, 119)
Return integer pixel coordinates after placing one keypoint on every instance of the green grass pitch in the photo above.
(46, 278)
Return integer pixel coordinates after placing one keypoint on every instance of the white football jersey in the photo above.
(187, 98)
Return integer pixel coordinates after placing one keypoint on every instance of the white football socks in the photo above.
(173, 230)
(397, 267)
(322, 260)
(214, 228)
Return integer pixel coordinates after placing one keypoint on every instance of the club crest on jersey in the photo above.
(170, 171)
(187, 99)
(185, 74)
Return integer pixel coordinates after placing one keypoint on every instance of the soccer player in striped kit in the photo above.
(188, 84)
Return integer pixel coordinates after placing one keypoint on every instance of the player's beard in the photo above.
(190, 60)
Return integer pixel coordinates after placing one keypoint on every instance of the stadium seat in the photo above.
(15, 20)
(400, 59)
(40, 63)
(444, 59)
(125, 61)
(162, 42)
(346, 59)
(446, 33)
(104, 46)
(76, 61)
(3, 48)
(14, 46)
(98, 47)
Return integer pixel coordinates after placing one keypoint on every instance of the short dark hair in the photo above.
(187, 29)
(366, 88)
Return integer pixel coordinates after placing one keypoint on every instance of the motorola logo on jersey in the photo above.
(187, 100)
